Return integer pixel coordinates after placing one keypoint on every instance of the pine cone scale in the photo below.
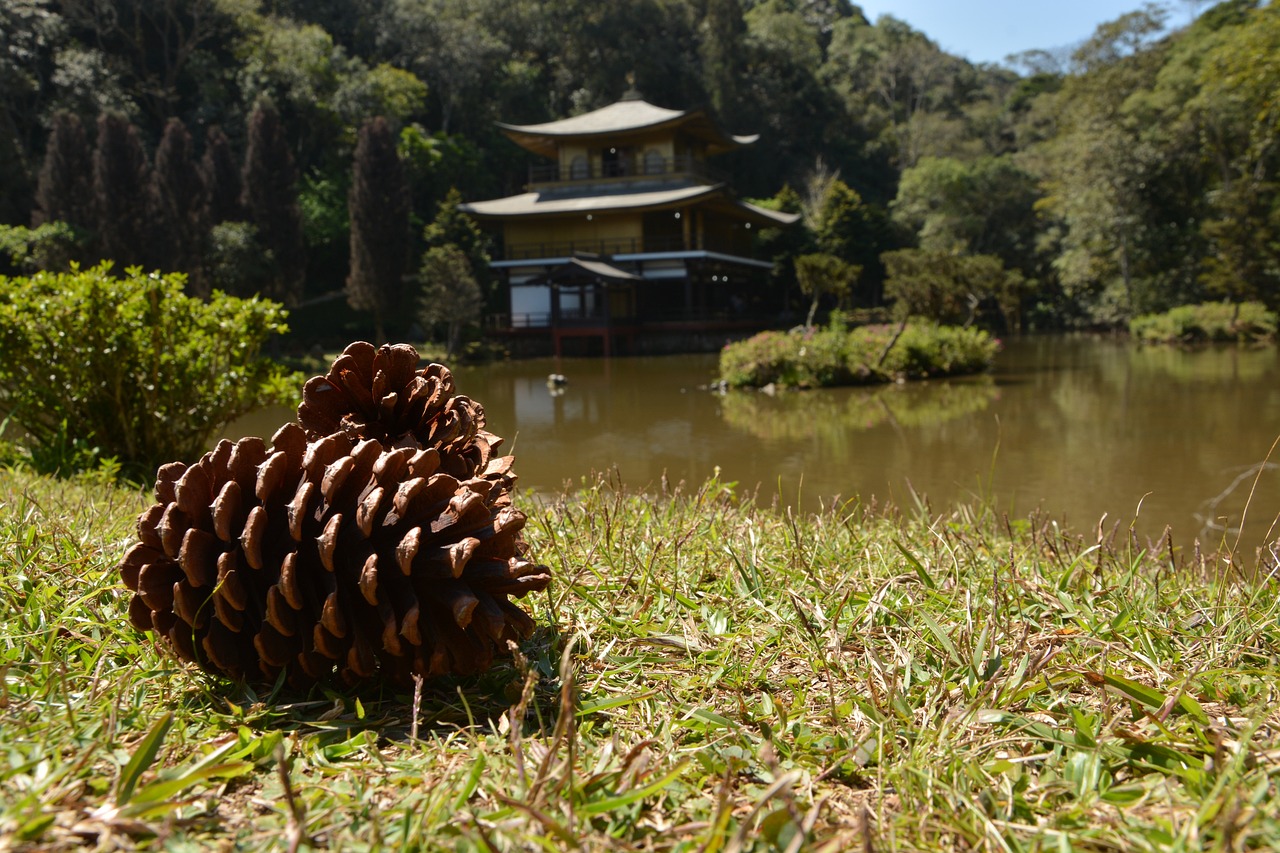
(227, 613)
(224, 648)
(271, 476)
(274, 648)
(390, 637)
(371, 511)
(288, 583)
(299, 510)
(191, 494)
(279, 614)
(198, 557)
(253, 536)
(155, 584)
(182, 635)
(227, 511)
(410, 624)
(172, 527)
(246, 456)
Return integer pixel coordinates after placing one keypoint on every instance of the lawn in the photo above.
(707, 675)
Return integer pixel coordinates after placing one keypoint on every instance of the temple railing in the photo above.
(637, 167)
(583, 319)
(623, 246)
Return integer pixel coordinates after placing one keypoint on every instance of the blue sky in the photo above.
(990, 30)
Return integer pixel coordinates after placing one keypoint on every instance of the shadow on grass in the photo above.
(396, 714)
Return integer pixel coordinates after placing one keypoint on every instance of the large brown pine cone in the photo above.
(380, 393)
(335, 560)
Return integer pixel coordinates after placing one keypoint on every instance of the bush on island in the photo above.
(1243, 322)
(834, 355)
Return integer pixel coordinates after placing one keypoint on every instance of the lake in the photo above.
(1074, 428)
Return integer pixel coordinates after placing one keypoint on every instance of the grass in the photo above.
(707, 676)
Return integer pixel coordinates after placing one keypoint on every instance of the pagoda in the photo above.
(625, 230)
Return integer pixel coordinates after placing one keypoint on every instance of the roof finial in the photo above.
(632, 93)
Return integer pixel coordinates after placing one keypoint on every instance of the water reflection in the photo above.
(1075, 427)
(834, 416)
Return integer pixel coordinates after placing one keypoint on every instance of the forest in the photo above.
(314, 150)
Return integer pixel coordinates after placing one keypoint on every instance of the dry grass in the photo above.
(707, 676)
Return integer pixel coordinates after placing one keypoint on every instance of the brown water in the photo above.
(1074, 427)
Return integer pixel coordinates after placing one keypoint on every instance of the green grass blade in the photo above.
(142, 758)
(633, 796)
(921, 572)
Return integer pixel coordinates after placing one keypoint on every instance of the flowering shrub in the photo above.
(793, 359)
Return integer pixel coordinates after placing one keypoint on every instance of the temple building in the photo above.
(626, 230)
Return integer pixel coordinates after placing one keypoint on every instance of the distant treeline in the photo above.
(219, 137)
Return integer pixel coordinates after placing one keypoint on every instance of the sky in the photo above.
(990, 30)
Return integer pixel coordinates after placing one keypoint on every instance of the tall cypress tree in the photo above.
(177, 199)
(271, 198)
(65, 189)
(221, 176)
(378, 204)
(120, 180)
(722, 37)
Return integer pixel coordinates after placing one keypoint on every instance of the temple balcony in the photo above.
(744, 247)
(544, 176)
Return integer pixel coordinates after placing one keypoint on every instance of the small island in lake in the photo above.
(836, 355)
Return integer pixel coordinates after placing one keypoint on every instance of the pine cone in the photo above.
(338, 559)
(380, 394)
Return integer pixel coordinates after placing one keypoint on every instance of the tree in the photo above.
(588, 49)
(1239, 116)
(271, 198)
(822, 275)
(1100, 170)
(782, 96)
(160, 51)
(452, 227)
(449, 45)
(379, 209)
(844, 225)
(320, 92)
(120, 179)
(32, 36)
(221, 178)
(177, 198)
(45, 247)
(950, 287)
(721, 40)
(982, 207)
(450, 294)
(782, 244)
(65, 189)
(904, 89)
(236, 262)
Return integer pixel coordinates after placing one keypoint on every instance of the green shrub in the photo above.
(1207, 322)
(94, 366)
(794, 359)
(44, 247)
(758, 360)
(833, 356)
(926, 349)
